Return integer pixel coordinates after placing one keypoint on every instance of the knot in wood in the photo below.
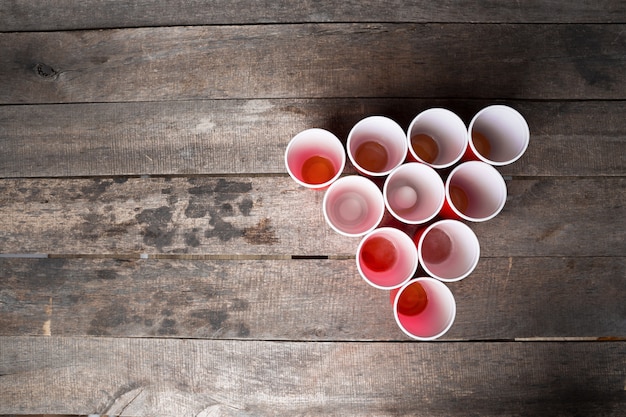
(45, 71)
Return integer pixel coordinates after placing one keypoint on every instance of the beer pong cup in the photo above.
(475, 191)
(498, 135)
(424, 308)
(448, 250)
(376, 145)
(414, 193)
(386, 258)
(437, 137)
(315, 158)
(353, 206)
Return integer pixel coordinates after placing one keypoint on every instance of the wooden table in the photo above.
(156, 259)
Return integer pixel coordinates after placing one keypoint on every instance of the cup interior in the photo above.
(378, 140)
(414, 193)
(386, 258)
(432, 320)
(353, 205)
(449, 250)
(476, 191)
(499, 135)
(445, 138)
(315, 158)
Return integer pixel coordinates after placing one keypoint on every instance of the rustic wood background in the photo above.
(156, 259)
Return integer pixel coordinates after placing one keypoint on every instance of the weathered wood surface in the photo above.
(25, 15)
(505, 298)
(274, 216)
(315, 61)
(249, 136)
(233, 378)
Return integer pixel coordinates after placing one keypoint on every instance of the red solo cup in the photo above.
(424, 308)
(475, 191)
(376, 145)
(386, 258)
(437, 137)
(315, 158)
(414, 193)
(353, 206)
(448, 250)
(498, 135)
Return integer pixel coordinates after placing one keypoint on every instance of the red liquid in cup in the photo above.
(425, 147)
(379, 254)
(436, 246)
(481, 144)
(317, 170)
(459, 198)
(413, 300)
(371, 156)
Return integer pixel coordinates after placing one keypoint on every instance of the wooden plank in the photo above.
(24, 15)
(250, 136)
(505, 298)
(314, 60)
(187, 378)
(274, 216)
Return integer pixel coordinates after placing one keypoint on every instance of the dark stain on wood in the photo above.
(168, 327)
(246, 206)
(222, 229)
(156, 232)
(261, 234)
(191, 239)
(215, 318)
(94, 191)
(107, 319)
(581, 43)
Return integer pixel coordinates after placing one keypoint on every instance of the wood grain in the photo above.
(24, 15)
(250, 136)
(314, 60)
(188, 378)
(312, 300)
(274, 216)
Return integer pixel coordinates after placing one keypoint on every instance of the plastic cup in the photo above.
(414, 193)
(475, 191)
(424, 308)
(353, 206)
(498, 135)
(386, 258)
(376, 145)
(315, 158)
(437, 137)
(448, 250)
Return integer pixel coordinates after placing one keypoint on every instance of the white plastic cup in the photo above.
(353, 206)
(386, 258)
(448, 250)
(498, 135)
(376, 145)
(429, 320)
(414, 193)
(315, 158)
(475, 191)
(437, 137)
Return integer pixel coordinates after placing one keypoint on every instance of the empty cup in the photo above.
(353, 205)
